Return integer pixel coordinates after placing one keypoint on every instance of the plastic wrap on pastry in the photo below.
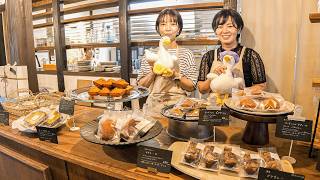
(271, 158)
(231, 158)
(34, 118)
(54, 118)
(191, 156)
(250, 165)
(210, 158)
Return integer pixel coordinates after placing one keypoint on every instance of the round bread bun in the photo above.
(271, 103)
(248, 103)
(107, 131)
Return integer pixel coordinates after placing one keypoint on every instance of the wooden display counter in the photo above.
(72, 158)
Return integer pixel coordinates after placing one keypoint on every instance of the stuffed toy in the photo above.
(221, 85)
(164, 61)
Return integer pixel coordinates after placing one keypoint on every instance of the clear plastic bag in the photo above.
(270, 158)
(210, 158)
(231, 158)
(250, 165)
(192, 153)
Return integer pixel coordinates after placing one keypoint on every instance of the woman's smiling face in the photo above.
(168, 27)
(227, 32)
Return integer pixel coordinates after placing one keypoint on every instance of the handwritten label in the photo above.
(66, 106)
(270, 174)
(294, 129)
(46, 133)
(214, 117)
(4, 118)
(150, 157)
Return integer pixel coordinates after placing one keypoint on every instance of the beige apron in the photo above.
(237, 70)
(165, 91)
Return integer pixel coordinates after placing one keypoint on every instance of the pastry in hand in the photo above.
(120, 84)
(248, 103)
(104, 92)
(271, 103)
(117, 92)
(93, 91)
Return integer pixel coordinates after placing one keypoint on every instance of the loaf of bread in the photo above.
(107, 130)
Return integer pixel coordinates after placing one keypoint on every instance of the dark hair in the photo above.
(174, 14)
(222, 17)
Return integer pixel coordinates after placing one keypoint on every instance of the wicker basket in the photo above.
(26, 104)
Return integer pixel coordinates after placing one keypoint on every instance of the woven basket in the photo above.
(26, 104)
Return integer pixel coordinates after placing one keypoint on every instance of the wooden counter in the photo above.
(73, 157)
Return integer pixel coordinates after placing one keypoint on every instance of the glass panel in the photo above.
(43, 37)
(143, 4)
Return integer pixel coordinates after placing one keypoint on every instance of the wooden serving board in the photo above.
(178, 147)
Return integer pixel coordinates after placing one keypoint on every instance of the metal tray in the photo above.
(89, 131)
(81, 94)
(166, 112)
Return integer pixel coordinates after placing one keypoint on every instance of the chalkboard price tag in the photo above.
(219, 117)
(1, 107)
(270, 174)
(294, 129)
(4, 118)
(46, 133)
(66, 106)
(154, 158)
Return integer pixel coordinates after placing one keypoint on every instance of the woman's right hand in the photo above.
(151, 63)
(220, 69)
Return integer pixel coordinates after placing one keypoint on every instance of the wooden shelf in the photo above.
(100, 4)
(187, 7)
(39, 5)
(44, 48)
(187, 42)
(314, 17)
(47, 72)
(91, 73)
(90, 18)
(43, 25)
(92, 45)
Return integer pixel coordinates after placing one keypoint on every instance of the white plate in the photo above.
(289, 108)
(178, 147)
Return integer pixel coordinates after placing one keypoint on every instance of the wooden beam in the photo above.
(91, 18)
(92, 45)
(43, 25)
(186, 7)
(230, 4)
(18, 35)
(186, 42)
(98, 4)
(60, 48)
(3, 60)
(125, 50)
(314, 17)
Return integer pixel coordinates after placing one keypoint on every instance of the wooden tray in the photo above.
(178, 147)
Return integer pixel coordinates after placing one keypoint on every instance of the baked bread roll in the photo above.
(120, 84)
(187, 103)
(93, 91)
(117, 92)
(192, 153)
(248, 103)
(271, 103)
(100, 83)
(104, 92)
(176, 112)
(106, 130)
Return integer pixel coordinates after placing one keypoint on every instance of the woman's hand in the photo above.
(220, 69)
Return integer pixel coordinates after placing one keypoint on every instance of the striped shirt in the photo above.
(187, 65)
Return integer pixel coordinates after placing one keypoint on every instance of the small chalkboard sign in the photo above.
(270, 174)
(46, 133)
(216, 117)
(66, 106)
(294, 129)
(4, 118)
(154, 158)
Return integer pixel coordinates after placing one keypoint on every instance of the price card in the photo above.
(46, 133)
(4, 118)
(294, 129)
(66, 106)
(271, 174)
(214, 117)
(150, 157)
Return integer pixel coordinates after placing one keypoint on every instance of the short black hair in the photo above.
(222, 17)
(174, 14)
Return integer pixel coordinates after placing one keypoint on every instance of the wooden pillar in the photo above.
(230, 4)
(18, 37)
(125, 51)
(3, 60)
(60, 46)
